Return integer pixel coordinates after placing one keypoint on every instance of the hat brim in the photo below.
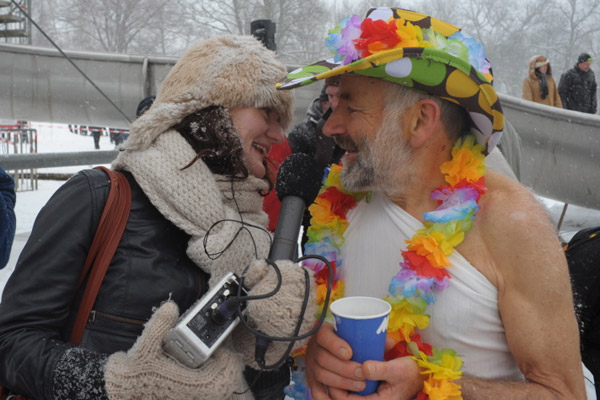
(428, 70)
(327, 68)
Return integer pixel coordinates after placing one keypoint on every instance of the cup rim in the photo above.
(366, 298)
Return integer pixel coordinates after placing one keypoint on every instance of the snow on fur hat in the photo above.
(229, 71)
(417, 51)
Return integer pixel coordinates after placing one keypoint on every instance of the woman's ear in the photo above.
(421, 121)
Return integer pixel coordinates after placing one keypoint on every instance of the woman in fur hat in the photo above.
(195, 162)
(539, 86)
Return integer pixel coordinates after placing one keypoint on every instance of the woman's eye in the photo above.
(271, 115)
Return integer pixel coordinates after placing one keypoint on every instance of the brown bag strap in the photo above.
(106, 240)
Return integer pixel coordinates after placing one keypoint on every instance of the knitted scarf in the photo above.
(208, 207)
(543, 84)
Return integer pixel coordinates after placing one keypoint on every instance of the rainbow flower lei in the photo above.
(422, 272)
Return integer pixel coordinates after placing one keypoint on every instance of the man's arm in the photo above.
(534, 298)
(557, 99)
(594, 107)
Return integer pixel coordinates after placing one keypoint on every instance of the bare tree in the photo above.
(228, 16)
(301, 26)
(110, 25)
(301, 29)
(507, 29)
(45, 15)
(512, 31)
(169, 33)
(576, 28)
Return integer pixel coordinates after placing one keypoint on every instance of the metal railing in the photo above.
(14, 162)
(21, 140)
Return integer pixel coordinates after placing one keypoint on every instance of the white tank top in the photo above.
(464, 318)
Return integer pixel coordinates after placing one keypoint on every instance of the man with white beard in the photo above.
(468, 259)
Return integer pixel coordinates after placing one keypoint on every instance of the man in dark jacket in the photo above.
(583, 255)
(577, 87)
(7, 216)
(307, 136)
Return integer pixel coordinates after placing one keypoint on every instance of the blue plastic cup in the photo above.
(362, 322)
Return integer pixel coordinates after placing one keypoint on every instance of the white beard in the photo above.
(383, 165)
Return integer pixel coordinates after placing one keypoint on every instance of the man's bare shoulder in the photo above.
(516, 229)
(509, 208)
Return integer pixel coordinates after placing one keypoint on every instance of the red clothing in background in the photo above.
(271, 203)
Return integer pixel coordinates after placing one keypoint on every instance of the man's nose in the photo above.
(335, 124)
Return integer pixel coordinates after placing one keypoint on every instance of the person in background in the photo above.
(121, 135)
(96, 134)
(195, 163)
(8, 221)
(539, 86)
(333, 92)
(577, 86)
(583, 256)
(481, 306)
(271, 203)
(307, 137)
(144, 105)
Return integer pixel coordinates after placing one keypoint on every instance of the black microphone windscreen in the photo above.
(299, 176)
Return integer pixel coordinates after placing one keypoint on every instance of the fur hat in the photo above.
(417, 51)
(230, 71)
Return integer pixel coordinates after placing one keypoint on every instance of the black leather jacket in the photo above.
(39, 302)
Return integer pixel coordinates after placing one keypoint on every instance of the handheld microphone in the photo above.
(298, 183)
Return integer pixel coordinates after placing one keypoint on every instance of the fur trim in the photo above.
(230, 71)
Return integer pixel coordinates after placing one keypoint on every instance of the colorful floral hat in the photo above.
(417, 51)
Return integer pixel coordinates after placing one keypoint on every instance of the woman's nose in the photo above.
(276, 133)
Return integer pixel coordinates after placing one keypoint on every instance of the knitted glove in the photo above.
(255, 273)
(145, 372)
(276, 315)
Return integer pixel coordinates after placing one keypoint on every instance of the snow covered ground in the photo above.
(57, 138)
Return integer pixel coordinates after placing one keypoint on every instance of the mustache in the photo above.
(345, 142)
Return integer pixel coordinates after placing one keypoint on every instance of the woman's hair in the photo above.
(213, 137)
